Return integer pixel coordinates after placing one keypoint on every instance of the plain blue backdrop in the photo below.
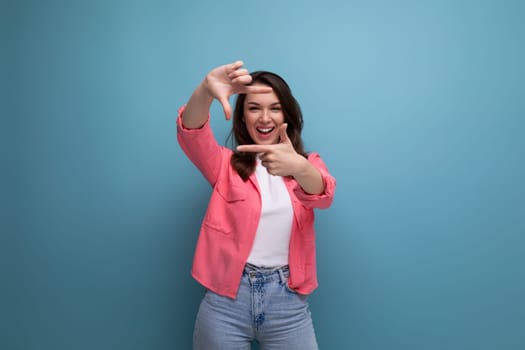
(417, 107)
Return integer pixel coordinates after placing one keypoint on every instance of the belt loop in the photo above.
(283, 278)
(250, 271)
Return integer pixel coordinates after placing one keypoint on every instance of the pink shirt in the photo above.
(229, 225)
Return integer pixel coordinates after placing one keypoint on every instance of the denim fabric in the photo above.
(265, 310)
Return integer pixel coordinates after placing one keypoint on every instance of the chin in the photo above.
(266, 142)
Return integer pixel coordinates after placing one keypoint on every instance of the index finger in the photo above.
(257, 89)
(254, 148)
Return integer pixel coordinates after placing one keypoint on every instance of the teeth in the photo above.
(265, 130)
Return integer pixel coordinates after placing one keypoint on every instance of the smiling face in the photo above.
(263, 115)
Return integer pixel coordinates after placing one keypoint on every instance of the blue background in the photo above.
(417, 107)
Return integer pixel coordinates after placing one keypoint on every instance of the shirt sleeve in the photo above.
(325, 199)
(201, 147)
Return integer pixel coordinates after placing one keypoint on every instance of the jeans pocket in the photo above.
(284, 284)
(288, 289)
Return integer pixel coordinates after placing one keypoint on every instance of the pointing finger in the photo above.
(254, 148)
(257, 89)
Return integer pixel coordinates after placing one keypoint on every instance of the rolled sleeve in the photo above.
(324, 199)
(201, 147)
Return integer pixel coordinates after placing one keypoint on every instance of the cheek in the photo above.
(249, 121)
(250, 127)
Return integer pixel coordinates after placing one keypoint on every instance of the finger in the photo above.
(273, 171)
(242, 79)
(254, 148)
(234, 66)
(283, 136)
(226, 108)
(257, 89)
(267, 165)
(238, 72)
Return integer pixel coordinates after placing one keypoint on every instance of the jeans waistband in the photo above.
(267, 274)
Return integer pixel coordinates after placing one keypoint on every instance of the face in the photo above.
(263, 116)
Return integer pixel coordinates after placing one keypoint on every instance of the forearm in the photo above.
(198, 108)
(309, 178)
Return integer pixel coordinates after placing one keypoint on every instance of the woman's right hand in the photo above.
(229, 79)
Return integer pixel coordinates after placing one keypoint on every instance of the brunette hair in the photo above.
(244, 162)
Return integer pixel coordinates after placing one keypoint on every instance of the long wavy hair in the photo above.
(244, 162)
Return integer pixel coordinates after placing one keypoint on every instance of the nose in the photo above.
(265, 115)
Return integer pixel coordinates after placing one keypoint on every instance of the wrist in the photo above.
(302, 168)
(204, 91)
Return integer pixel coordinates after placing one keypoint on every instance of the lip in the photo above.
(265, 136)
(265, 130)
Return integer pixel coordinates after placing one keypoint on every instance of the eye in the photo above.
(276, 109)
(253, 109)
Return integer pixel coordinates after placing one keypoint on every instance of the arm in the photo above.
(193, 130)
(322, 200)
(308, 177)
(281, 159)
(197, 109)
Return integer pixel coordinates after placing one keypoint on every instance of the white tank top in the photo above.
(272, 238)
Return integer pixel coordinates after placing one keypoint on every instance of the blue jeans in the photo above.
(265, 310)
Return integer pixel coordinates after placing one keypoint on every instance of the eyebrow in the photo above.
(258, 104)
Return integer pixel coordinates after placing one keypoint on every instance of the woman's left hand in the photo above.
(279, 159)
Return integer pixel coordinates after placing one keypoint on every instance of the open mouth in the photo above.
(265, 131)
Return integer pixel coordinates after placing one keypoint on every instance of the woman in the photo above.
(255, 253)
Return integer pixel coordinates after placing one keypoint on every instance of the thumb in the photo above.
(283, 136)
(226, 107)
